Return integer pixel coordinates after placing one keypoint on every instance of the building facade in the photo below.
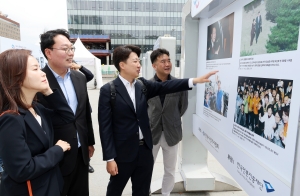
(9, 28)
(138, 22)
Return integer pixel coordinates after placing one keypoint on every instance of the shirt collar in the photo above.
(125, 82)
(159, 80)
(58, 76)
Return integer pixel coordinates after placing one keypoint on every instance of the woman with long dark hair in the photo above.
(26, 127)
(277, 103)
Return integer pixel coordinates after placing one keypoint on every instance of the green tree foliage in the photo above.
(284, 36)
(272, 7)
(252, 5)
(247, 53)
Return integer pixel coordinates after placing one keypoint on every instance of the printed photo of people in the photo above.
(42, 62)
(265, 22)
(215, 98)
(220, 38)
(263, 107)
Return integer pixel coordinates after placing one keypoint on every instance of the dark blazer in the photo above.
(258, 24)
(88, 74)
(167, 118)
(83, 122)
(211, 50)
(27, 149)
(241, 118)
(119, 126)
(223, 39)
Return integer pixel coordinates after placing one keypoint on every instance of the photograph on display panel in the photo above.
(215, 97)
(220, 38)
(270, 26)
(263, 107)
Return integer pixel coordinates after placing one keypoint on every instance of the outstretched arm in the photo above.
(204, 78)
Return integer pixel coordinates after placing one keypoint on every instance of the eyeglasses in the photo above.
(67, 50)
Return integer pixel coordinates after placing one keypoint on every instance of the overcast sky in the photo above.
(36, 16)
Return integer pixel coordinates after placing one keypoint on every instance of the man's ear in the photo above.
(122, 65)
(154, 66)
(48, 53)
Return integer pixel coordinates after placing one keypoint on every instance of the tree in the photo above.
(284, 36)
(252, 5)
(272, 7)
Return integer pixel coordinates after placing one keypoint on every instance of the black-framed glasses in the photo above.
(67, 50)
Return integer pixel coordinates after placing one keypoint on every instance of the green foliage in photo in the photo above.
(284, 36)
(252, 5)
(272, 7)
(247, 53)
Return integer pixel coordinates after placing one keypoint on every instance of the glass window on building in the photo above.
(138, 6)
(76, 19)
(120, 19)
(129, 5)
(147, 6)
(120, 6)
(155, 7)
(126, 21)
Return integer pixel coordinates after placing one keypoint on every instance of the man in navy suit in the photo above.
(59, 51)
(258, 26)
(124, 124)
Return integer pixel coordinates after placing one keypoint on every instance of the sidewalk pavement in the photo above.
(99, 179)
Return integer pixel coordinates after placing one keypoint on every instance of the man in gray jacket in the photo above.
(165, 113)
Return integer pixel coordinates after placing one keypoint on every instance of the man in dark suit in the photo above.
(89, 76)
(223, 38)
(219, 38)
(59, 51)
(212, 46)
(124, 124)
(258, 27)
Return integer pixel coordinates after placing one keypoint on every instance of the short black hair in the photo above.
(266, 95)
(121, 54)
(286, 111)
(279, 113)
(157, 53)
(270, 106)
(47, 38)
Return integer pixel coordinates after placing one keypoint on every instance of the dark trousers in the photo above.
(255, 120)
(77, 183)
(140, 172)
(257, 32)
(247, 122)
(252, 38)
(251, 120)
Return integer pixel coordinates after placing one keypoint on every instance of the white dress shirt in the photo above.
(131, 92)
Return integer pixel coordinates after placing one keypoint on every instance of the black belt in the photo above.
(142, 141)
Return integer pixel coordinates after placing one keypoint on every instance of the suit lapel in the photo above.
(52, 80)
(138, 97)
(167, 97)
(35, 126)
(76, 83)
(122, 91)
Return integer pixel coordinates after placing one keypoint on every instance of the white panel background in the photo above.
(265, 165)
